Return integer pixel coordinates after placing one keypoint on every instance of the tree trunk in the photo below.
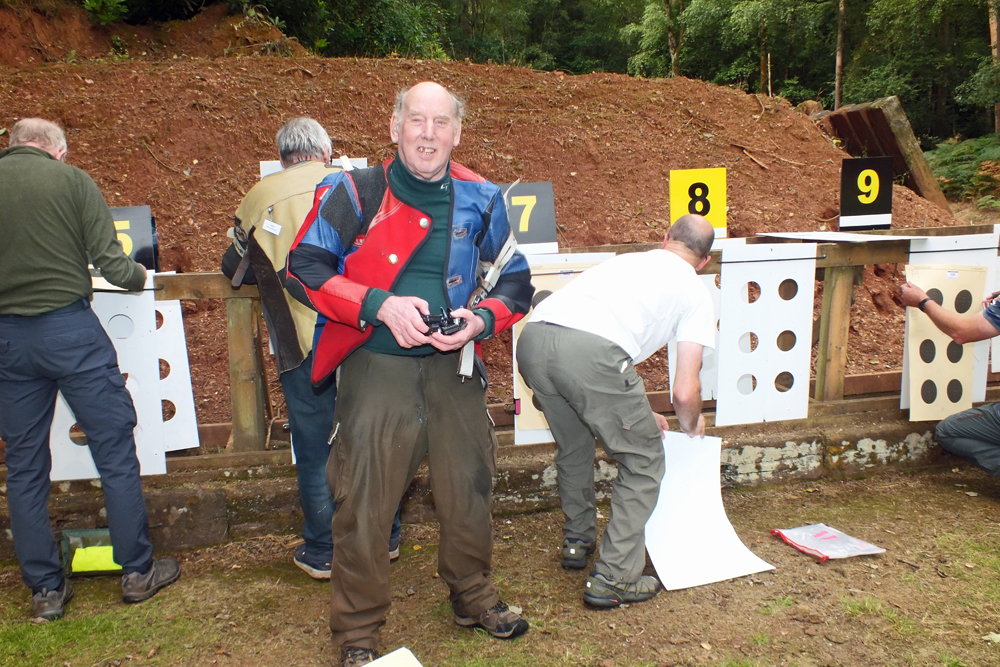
(675, 34)
(994, 8)
(941, 89)
(763, 55)
(840, 56)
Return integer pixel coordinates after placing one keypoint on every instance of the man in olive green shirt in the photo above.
(51, 216)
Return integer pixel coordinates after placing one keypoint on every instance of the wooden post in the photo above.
(246, 376)
(835, 322)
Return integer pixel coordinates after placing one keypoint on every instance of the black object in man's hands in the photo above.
(444, 323)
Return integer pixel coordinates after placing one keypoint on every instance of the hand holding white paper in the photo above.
(689, 537)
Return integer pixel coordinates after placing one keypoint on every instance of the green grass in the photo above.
(88, 631)
(949, 661)
(770, 606)
(873, 607)
(760, 639)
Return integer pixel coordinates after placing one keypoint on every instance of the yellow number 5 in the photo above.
(868, 184)
(528, 202)
(124, 238)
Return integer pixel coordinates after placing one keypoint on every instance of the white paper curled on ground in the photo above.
(824, 542)
(401, 657)
(689, 537)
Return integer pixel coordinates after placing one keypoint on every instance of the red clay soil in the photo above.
(179, 116)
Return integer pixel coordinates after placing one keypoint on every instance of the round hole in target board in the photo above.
(746, 384)
(954, 391)
(169, 409)
(784, 381)
(751, 292)
(955, 352)
(928, 391)
(76, 435)
(120, 327)
(748, 342)
(786, 341)
(935, 295)
(963, 301)
(927, 351)
(159, 319)
(788, 289)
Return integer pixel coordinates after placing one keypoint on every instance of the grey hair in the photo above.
(687, 230)
(38, 131)
(302, 139)
(401, 97)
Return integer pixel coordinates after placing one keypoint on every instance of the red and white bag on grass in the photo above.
(824, 542)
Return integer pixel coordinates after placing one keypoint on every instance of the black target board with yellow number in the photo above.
(866, 193)
(700, 191)
(136, 230)
(531, 209)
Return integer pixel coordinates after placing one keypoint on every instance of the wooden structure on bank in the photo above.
(837, 265)
(880, 128)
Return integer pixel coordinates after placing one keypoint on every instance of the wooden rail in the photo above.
(837, 264)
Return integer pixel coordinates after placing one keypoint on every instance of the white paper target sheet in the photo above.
(689, 537)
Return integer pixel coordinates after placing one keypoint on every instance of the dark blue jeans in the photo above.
(310, 417)
(67, 350)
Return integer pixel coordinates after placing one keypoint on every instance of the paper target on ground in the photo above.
(689, 537)
(941, 370)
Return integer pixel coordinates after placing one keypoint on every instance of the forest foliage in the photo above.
(934, 54)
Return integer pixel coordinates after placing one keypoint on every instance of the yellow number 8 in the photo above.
(868, 184)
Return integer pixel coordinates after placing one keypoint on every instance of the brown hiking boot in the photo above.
(352, 656)
(138, 587)
(498, 620)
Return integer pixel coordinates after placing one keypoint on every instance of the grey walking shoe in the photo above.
(498, 620)
(351, 656)
(575, 553)
(51, 605)
(604, 592)
(138, 587)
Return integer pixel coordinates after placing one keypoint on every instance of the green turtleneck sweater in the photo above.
(424, 275)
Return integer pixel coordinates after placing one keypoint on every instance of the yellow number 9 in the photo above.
(868, 184)
(125, 239)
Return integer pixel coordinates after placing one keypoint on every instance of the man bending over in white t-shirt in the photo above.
(577, 354)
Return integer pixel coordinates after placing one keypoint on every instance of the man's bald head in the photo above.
(694, 232)
(39, 133)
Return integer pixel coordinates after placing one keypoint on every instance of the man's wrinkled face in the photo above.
(426, 131)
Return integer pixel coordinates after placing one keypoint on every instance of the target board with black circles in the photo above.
(941, 369)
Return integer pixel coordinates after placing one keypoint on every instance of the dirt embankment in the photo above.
(178, 125)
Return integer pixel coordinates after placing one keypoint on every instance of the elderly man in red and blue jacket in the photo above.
(382, 252)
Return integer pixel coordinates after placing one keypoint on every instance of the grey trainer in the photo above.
(575, 553)
(138, 587)
(351, 656)
(51, 605)
(604, 592)
(498, 620)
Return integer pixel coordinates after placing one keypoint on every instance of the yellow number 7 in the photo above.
(528, 202)
(124, 238)
(868, 185)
